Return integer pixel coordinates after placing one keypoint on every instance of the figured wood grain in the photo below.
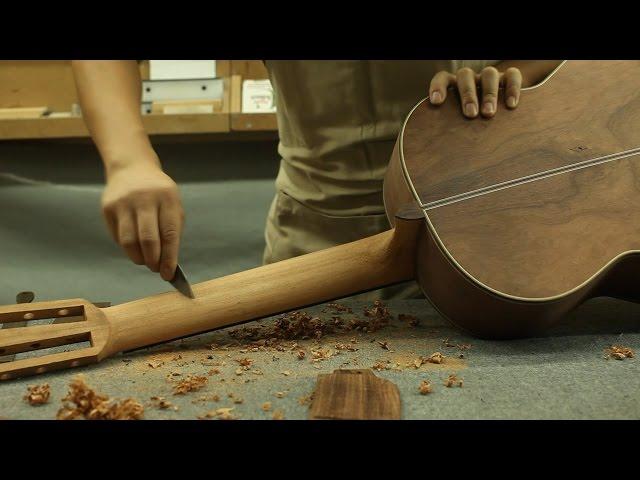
(355, 395)
(547, 237)
(585, 110)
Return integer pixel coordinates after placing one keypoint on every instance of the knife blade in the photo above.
(180, 282)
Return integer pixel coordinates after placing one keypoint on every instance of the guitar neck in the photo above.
(373, 262)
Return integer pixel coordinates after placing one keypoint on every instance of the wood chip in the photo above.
(286, 373)
(38, 394)
(266, 406)
(384, 345)
(425, 387)
(155, 363)
(379, 366)
(301, 355)
(280, 394)
(436, 357)
(190, 384)
(278, 415)
(245, 362)
(410, 319)
(339, 307)
(220, 414)
(453, 380)
(306, 399)
(618, 352)
(162, 403)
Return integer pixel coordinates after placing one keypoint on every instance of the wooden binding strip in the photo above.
(531, 178)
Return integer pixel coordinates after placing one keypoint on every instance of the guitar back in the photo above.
(534, 211)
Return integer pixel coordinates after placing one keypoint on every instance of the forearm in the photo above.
(533, 71)
(110, 95)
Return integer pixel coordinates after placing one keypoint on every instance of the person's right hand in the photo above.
(143, 210)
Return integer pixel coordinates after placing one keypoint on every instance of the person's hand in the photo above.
(143, 210)
(469, 82)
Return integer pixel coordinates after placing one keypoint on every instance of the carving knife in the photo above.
(180, 282)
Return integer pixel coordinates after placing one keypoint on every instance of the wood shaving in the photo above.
(453, 380)
(280, 394)
(425, 387)
(384, 345)
(618, 352)
(162, 403)
(190, 384)
(286, 373)
(436, 357)
(461, 346)
(266, 406)
(220, 414)
(205, 398)
(245, 362)
(378, 366)
(213, 371)
(345, 346)
(301, 355)
(410, 319)
(305, 400)
(278, 415)
(155, 363)
(339, 308)
(38, 394)
(86, 403)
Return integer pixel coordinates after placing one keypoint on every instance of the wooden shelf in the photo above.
(19, 129)
(255, 122)
(30, 83)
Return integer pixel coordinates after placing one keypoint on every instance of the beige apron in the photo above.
(338, 122)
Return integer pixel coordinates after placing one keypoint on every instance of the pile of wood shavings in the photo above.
(190, 384)
(38, 394)
(618, 352)
(86, 403)
(301, 325)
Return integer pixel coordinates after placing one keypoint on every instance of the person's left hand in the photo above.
(467, 82)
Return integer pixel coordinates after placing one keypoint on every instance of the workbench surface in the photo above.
(541, 378)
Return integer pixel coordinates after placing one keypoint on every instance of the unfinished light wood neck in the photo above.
(383, 259)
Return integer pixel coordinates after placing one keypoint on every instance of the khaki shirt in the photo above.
(338, 121)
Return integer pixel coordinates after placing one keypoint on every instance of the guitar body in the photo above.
(531, 213)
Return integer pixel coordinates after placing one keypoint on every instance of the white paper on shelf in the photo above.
(257, 97)
(157, 90)
(181, 69)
